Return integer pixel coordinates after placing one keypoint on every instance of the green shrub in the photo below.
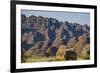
(84, 56)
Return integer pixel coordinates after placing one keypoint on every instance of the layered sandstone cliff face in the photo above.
(43, 37)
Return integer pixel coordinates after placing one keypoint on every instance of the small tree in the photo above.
(60, 53)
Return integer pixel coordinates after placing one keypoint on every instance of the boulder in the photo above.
(70, 55)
